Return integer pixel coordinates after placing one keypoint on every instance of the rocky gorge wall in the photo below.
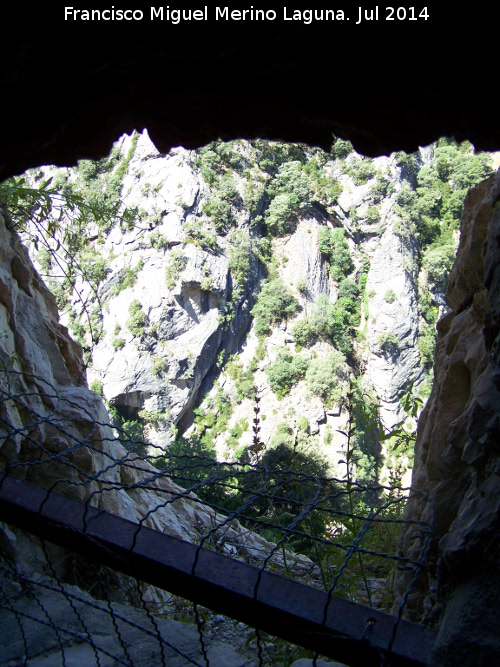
(194, 320)
(42, 366)
(56, 433)
(184, 326)
(457, 457)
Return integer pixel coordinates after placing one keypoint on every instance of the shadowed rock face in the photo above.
(457, 458)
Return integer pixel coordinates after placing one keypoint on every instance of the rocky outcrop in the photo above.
(176, 265)
(164, 366)
(53, 420)
(390, 323)
(393, 359)
(457, 459)
(174, 363)
(55, 433)
(136, 644)
(160, 366)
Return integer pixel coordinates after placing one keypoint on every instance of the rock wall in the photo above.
(170, 366)
(164, 371)
(55, 432)
(394, 318)
(457, 459)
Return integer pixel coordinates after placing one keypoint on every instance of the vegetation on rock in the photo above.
(250, 199)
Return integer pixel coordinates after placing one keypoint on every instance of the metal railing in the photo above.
(303, 558)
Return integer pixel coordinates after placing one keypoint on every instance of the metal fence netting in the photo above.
(69, 595)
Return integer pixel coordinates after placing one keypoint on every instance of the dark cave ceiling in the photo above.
(69, 91)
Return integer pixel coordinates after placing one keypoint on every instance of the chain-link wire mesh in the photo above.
(330, 534)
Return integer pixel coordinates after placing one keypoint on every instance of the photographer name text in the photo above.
(175, 16)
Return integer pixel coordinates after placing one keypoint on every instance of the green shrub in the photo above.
(243, 380)
(93, 266)
(175, 264)
(360, 169)
(341, 148)
(292, 178)
(406, 196)
(240, 256)
(213, 421)
(405, 160)
(219, 212)
(118, 343)
(236, 432)
(76, 328)
(282, 212)
(291, 192)
(302, 285)
(159, 365)
(331, 321)
(228, 154)
(333, 245)
(60, 295)
(209, 162)
(44, 259)
(286, 371)
(426, 344)
(303, 424)
(216, 158)
(438, 263)
(390, 296)
(88, 169)
(303, 331)
(207, 283)
(137, 319)
(323, 375)
(388, 343)
(159, 241)
(283, 436)
(275, 303)
(227, 190)
(197, 234)
(373, 215)
(382, 187)
(156, 419)
(326, 242)
(128, 277)
(253, 194)
(348, 289)
(332, 192)
(134, 432)
(97, 386)
(353, 215)
(428, 201)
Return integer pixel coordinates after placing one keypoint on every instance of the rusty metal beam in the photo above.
(353, 634)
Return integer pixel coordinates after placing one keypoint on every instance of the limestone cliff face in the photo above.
(199, 313)
(392, 358)
(192, 312)
(56, 432)
(161, 369)
(390, 322)
(174, 288)
(457, 457)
